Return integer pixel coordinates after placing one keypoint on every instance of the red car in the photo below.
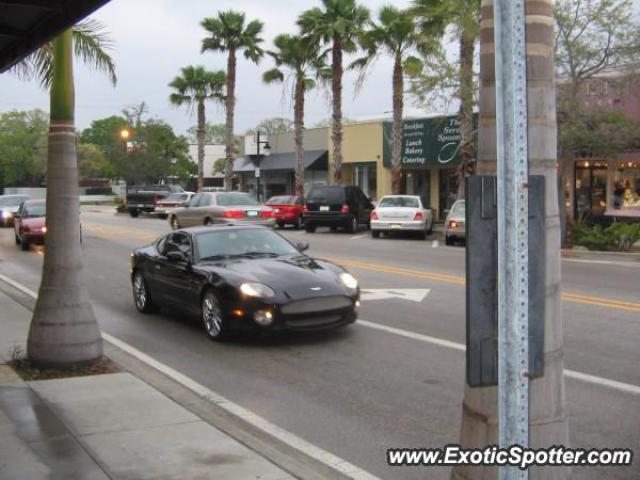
(29, 223)
(287, 209)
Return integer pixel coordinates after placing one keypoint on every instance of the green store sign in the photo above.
(427, 142)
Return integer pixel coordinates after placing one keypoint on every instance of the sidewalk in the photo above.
(112, 426)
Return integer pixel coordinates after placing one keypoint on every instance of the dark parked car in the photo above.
(143, 198)
(242, 277)
(287, 210)
(336, 206)
(9, 205)
(29, 223)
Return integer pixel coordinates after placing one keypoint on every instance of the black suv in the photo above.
(336, 206)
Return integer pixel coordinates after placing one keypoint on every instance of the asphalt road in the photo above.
(361, 390)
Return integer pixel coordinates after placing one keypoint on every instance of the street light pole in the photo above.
(267, 148)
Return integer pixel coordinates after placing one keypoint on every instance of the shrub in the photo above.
(617, 236)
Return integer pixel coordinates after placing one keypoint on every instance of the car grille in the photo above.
(319, 304)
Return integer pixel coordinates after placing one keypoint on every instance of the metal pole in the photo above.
(258, 164)
(513, 244)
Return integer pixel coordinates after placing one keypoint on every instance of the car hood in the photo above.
(295, 277)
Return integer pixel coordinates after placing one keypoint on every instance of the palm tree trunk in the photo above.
(396, 152)
(230, 105)
(336, 87)
(467, 51)
(201, 131)
(547, 413)
(63, 331)
(299, 132)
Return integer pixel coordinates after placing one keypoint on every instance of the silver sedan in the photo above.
(454, 227)
(221, 207)
(401, 213)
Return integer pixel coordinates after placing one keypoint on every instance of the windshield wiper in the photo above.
(255, 254)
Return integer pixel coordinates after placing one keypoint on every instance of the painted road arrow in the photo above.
(411, 294)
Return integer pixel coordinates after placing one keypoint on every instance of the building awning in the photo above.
(25, 25)
(313, 160)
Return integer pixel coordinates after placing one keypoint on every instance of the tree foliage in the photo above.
(23, 147)
(213, 133)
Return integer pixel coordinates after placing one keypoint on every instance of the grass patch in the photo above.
(22, 366)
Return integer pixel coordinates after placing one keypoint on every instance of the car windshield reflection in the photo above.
(245, 243)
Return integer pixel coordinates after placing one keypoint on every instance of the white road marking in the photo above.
(435, 244)
(232, 408)
(603, 262)
(613, 384)
(357, 237)
(411, 294)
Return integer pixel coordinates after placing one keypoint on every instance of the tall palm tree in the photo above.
(396, 35)
(64, 330)
(194, 87)
(304, 62)
(464, 15)
(547, 412)
(339, 23)
(230, 33)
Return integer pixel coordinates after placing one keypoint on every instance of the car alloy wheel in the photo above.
(141, 295)
(212, 319)
(174, 223)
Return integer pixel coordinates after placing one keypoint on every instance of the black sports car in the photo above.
(242, 277)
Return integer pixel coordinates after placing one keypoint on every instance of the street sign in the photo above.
(257, 172)
(412, 294)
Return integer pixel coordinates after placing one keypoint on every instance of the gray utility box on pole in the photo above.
(482, 282)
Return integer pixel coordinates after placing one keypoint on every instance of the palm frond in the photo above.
(91, 44)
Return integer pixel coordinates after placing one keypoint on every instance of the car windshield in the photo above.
(227, 199)
(282, 200)
(176, 197)
(327, 195)
(248, 242)
(31, 211)
(458, 207)
(12, 200)
(399, 202)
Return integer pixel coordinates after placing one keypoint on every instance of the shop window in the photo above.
(365, 177)
(626, 187)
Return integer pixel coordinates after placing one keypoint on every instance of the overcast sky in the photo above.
(155, 38)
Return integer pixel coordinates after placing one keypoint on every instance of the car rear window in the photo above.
(327, 195)
(34, 210)
(12, 200)
(458, 207)
(177, 197)
(411, 202)
(227, 199)
(282, 200)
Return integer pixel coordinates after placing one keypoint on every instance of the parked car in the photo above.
(287, 210)
(29, 224)
(143, 198)
(9, 205)
(212, 189)
(336, 206)
(454, 228)
(173, 200)
(222, 207)
(401, 213)
(242, 277)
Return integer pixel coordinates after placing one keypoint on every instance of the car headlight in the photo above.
(6, 214)
(348, 280)
(259, 290)
(44, 229)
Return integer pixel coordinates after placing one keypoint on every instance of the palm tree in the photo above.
(194, 87)
(434, 16)
(547, 412)
(230, 34)
(339, 23)
(396, 35)
(64, 331)
(303, 61)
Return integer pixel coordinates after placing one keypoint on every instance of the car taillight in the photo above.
(345, 208)
(374, 215)
(266, 214)
(233, 214)
(418, 216)
(453, 224)
(305, 209)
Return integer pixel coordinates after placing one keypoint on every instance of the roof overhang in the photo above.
(27, 24)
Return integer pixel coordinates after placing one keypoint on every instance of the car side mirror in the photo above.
(177, 256)
(302, 246)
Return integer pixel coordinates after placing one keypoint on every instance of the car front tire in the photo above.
(375, 233)
(141, 294)
(309, 228)
(212, 317)
(134, 212)
(448, 240)
(24, 243)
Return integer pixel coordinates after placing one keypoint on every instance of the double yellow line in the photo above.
(459, 280)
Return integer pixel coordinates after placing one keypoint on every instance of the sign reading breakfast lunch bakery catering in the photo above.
(427, 142)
